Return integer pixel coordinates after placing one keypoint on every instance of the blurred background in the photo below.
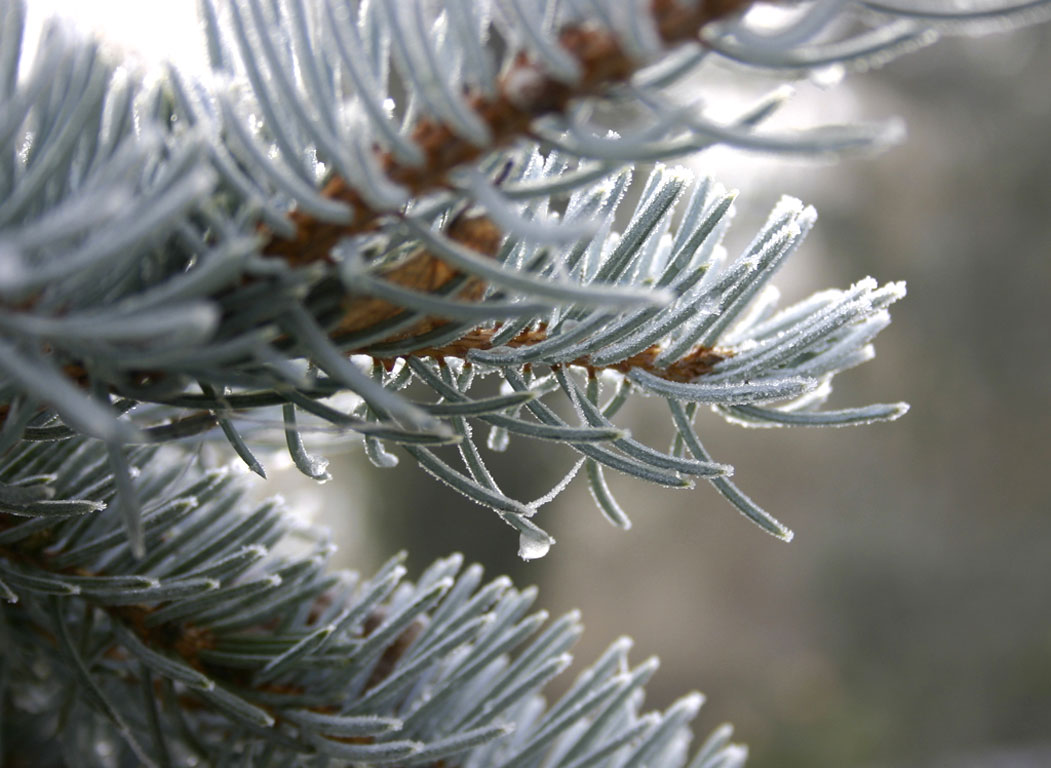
(908, 624)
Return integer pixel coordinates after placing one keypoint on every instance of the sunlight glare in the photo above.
(149, 32)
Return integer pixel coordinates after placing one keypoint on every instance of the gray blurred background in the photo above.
(909, 623)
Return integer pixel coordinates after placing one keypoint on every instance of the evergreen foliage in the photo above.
(399, 221)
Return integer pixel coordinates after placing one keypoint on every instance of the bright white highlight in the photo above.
(149, 32)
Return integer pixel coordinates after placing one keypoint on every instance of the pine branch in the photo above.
(513, 290)
(225, 643)
(515, 270)
(525, 92)
(191, 255)
(425, 273)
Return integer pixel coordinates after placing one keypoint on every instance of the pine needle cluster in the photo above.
(401, 222)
